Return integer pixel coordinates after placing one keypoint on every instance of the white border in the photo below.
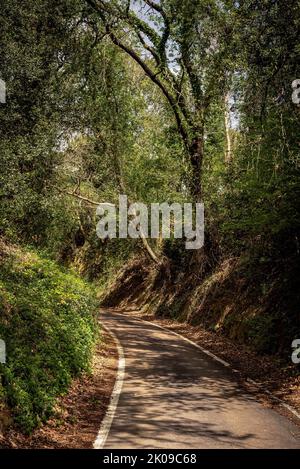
(114, 399)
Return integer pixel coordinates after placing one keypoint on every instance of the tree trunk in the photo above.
(228, 150)
(196, 159)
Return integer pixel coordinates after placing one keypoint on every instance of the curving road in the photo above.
(174, 396)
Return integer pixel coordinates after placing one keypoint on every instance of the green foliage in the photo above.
(261, 333)
(48, 324)
(83, 118)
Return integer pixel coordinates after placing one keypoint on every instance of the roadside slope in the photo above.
(48, 322)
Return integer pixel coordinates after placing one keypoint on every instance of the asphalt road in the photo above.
(174, 396)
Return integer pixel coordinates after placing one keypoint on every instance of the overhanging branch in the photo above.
(143, 238)
(154, 77)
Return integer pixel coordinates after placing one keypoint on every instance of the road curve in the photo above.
(174, 396)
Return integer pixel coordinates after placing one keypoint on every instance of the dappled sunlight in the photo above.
(176, 396)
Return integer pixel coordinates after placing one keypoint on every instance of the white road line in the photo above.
(207, 352)
(114, 399)
(282, 403)
(212, 355)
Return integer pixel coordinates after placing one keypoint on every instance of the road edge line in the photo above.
(114, 398)
(226, 364)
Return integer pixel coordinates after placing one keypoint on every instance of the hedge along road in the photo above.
(175, 396)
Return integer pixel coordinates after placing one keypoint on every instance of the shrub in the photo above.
(48, 322)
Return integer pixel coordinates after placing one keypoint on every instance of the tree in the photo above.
(180, 47)
(33, 50)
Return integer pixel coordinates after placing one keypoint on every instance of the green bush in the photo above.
(48, 322)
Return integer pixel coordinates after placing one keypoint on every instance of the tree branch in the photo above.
(157, 7)
(166, 32)
(153, 76)
(80, 197)
(148, 48)
(101, 7)
(143, 238)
